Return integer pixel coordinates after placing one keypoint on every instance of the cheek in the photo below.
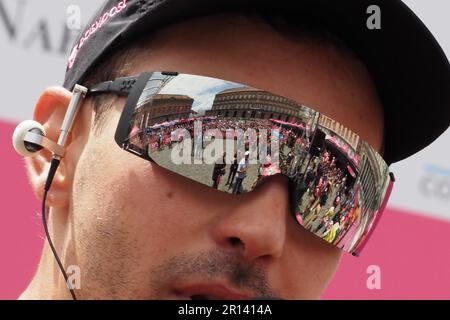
(308, 263)
(130, 195)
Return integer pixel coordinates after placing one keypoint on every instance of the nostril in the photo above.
(235, 241)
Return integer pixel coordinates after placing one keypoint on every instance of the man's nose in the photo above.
(254, 223)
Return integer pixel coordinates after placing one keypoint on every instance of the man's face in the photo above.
(139, 231)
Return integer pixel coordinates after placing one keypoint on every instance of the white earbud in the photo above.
(20, 145)
(29, 138)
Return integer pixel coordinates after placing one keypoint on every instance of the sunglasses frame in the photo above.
(133, 86)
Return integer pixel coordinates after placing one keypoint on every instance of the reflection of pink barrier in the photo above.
(345, 149)
(290, 124)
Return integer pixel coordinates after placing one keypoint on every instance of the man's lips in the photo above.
(211, 291)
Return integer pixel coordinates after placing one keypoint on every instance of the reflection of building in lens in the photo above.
(374, 181)
(373, 178)
(164, 107)
(351, 138)
(246, 102)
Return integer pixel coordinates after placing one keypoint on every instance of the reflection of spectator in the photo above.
(330, 213)
(337, 200)
(160, 141)
(320, 170)
(233, 170)
(198, 146)
(218, 171)
(309, 220)
(310, 177)
(324, 225)
(332, 232)
(324, 196)
(351, 221)
(241, 173)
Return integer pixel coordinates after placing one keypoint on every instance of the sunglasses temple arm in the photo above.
(121, 86)
(389, 189)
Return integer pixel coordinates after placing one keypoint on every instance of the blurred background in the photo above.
(410, 245)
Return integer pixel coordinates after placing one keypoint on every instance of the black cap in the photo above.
(410, 70)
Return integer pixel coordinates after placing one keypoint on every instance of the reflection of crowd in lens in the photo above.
(332, 205)
(159, 137)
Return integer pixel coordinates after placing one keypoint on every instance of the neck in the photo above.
(48, 282)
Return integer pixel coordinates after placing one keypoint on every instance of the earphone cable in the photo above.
(53, 168)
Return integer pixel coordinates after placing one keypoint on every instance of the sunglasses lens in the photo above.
(231, 137)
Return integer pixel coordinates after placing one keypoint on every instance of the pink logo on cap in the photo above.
(93, 29)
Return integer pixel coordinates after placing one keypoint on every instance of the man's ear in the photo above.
(50, 111)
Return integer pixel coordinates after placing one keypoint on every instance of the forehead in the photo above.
(310, 70)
